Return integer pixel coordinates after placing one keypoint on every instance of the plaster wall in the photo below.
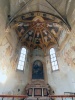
(71, 12)
(4, 11)
(15, 80)
(9, 57)
(63, 80)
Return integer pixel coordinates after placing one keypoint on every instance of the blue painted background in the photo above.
(37, 70)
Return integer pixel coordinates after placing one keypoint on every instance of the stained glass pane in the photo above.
(23, 51)
(22, 59)
(22, 55)
(53, 68)
(53, 59)
(52, 51)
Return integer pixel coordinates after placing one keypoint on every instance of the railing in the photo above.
(50, 97)
(13, 96)
(69, 93)
(71, 97)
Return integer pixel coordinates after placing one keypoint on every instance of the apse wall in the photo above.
(63, 80)
(12, 81)
(35, 55)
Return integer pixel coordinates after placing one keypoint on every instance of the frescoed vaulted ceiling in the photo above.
(39, 27)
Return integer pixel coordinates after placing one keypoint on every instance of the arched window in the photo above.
(53, 59)
(22, 59)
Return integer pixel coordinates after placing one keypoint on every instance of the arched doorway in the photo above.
(37, 70)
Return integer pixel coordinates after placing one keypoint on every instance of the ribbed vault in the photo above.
(39, 23)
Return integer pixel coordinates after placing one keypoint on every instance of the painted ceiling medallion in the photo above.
(38, 18)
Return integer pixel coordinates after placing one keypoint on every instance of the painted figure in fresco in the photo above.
(37, 70)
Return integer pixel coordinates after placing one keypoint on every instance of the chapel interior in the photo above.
(37, 48)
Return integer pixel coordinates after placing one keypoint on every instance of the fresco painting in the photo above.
(37, 70)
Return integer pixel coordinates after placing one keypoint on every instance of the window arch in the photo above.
(53, 59)
(22, 59)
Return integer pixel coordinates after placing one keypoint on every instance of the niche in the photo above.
(37, 70)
